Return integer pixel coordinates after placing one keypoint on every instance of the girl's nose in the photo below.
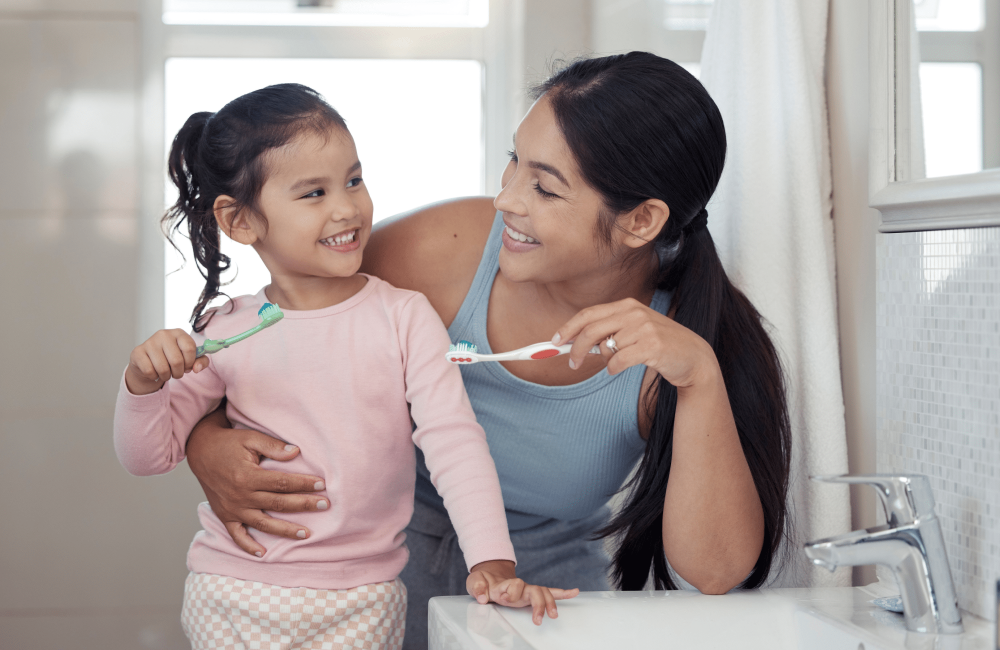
(344, 209)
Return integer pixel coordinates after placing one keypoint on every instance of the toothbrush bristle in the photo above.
(270, 314)
(462, 346)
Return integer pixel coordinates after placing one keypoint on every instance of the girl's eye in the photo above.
(354, 182)
(314, 194)
(544, 194)
(512, 155)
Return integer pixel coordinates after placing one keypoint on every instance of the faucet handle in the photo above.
(905, 497)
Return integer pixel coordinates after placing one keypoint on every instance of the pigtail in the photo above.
(194, 206)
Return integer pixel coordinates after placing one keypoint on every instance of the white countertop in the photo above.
(775, 619)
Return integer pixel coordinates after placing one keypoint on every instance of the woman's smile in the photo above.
(517, 242)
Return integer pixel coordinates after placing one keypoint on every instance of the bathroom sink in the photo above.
(775, 619)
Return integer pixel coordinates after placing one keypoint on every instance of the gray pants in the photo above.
(554, 554)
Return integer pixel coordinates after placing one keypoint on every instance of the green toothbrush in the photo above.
(269, 315)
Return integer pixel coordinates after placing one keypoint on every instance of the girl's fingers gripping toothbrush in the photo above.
(465, 353)
(269, 315)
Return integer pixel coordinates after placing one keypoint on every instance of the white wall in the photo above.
(91, 557)
(855, 228)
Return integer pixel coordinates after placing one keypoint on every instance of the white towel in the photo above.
(771, 219)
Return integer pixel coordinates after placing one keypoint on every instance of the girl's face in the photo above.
(549, 210)
(319, 213)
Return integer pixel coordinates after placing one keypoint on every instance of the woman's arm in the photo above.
(713, 522)
(434, 250)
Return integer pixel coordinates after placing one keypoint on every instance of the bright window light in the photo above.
(417, 125)
(951, 96)
(354, 13)
(686, 14)
(949, 15)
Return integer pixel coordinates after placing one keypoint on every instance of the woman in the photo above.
(598, 237)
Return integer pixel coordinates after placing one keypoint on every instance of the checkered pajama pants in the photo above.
(223, 612)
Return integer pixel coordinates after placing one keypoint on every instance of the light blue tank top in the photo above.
(560, 451)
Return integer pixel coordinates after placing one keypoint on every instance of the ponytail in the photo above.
(196, 207)
(220, 154)
(642, 127)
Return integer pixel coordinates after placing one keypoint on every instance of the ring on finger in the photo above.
(612, 344)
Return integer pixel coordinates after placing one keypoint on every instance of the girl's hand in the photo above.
(495, 582)
(166, 354)
(642, 336)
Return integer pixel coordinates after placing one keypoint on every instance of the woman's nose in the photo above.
(510, 198)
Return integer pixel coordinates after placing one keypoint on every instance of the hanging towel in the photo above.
(771, 219)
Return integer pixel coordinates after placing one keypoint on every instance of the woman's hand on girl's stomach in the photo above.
(496, 582)
(166, 354)
(227, 464)
(641, 336)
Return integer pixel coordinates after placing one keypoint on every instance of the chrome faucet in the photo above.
(910, 543)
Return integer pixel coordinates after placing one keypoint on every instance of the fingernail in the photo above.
(572, 364)
(259, 554)
(321, 505)
(301, 534)
(318, 485)
(290, 447)
(556, 339)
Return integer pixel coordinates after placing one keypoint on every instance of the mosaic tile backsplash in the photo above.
(938, 378)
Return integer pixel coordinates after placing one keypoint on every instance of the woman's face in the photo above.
(550, 212)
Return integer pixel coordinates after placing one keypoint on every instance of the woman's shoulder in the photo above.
(435, 250)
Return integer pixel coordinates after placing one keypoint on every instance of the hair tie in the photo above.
(698, 223)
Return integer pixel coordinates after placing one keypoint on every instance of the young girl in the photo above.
(339, 378)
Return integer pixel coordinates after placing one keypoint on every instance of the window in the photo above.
(354, 13)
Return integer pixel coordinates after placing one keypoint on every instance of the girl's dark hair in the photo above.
(222, 153)
(642, 127)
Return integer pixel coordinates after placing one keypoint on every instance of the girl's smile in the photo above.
(343, 242)
(518, 242)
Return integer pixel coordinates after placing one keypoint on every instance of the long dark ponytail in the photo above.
(642, 127)
(216, 154)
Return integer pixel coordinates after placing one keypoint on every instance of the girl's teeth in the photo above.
(341, 239)
(513, 234)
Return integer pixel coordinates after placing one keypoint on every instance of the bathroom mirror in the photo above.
(935, 100)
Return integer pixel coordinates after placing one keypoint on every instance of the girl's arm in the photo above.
(460, 464)
(713, 521)
(160, 399)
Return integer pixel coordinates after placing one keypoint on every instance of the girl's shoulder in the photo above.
(435, 250)
(238, 311)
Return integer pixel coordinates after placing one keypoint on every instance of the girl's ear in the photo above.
(234, 223)
(644, 223)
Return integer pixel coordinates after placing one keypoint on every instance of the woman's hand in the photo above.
(166, 354)
(641, 336)
(227, 464)
(496, 582)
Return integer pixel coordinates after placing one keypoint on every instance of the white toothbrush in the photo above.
(464, 352)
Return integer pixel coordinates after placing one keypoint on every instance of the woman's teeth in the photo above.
(520, 236)
(339, 240)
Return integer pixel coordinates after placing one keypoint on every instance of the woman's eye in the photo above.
(512, 155)
(314, 194)
(547, 195)
(354, 182)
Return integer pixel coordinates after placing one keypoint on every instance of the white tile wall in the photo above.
(938, 377)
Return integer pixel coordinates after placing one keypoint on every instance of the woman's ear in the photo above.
(645, 223)
(234, 223)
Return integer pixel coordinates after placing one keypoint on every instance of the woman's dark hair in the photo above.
(641, 127)
(216, 154)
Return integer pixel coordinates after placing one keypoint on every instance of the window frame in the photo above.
(965, 201)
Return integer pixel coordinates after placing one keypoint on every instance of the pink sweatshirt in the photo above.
(341, 383)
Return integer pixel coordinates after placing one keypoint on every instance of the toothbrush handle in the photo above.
(534, 352)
